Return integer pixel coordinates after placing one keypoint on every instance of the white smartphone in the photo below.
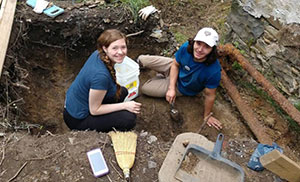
(97, 162)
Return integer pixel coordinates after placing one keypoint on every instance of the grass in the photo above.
(297, 105)
(236, 66)
(221, 25)
(180, 37)
(293, 125)
(78, 1)
(134, 6)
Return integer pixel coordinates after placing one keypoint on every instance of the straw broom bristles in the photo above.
(124, 144)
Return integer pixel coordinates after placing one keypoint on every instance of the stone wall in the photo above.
(268, 32)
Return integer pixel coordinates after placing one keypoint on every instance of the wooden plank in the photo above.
(281, 165)
(8, 11)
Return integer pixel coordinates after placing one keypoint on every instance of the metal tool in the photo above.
(174, 113)
(204, 122)
(209, 165)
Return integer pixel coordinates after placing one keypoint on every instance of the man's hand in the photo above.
(212, 121)
(171, 95)
(145, 12)
(174, 71)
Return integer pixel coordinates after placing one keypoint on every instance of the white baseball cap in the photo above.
(207, 35)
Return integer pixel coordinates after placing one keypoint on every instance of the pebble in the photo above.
(106, 20)
(152, 164)
(71, 140)
(57, 169)
(224, 154)
(143, 133)
(277, 179)
(239, 153)
(92, 6)
(152, 139)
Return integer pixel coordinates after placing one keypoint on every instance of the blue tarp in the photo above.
(260, 150)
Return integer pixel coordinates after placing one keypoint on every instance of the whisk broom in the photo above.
(124, 144)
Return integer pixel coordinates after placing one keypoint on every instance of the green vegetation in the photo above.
(134, 6)
(236, 44)
(243, 52)
(292, 123)
(180, 38)
(250, 42)
(236, 66)
(221, 25)
(297, 105)
(167, 53)
(179, 2)
(78, 1)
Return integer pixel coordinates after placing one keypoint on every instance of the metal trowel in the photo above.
(174, 113)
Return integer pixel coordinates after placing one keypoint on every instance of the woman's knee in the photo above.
(129, 120)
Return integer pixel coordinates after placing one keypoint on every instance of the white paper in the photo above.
(40, 6)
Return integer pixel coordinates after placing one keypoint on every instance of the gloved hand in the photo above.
(145, 12)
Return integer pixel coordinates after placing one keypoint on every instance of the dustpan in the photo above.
(199, 164)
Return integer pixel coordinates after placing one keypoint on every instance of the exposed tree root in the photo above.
(253, 123)
(234, 54)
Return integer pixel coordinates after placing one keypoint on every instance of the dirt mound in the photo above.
(63, 157)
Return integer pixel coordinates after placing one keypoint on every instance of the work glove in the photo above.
(145, 12)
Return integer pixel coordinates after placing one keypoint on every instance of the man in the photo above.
(194, 69)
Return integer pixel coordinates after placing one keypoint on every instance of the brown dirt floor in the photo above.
(54, 153)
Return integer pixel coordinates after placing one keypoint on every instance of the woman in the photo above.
(194, 69)
(94, 100)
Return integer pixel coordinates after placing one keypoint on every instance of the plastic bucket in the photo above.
(127, 74)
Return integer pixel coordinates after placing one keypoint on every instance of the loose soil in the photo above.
(54, 50)
(198, 164)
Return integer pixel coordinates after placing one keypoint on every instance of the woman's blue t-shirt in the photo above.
(93, 75)
(194, 76)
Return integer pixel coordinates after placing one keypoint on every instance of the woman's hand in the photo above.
(171, 95)
(212, 121)
(132, 106)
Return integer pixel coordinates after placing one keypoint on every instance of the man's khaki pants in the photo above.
(157, 86)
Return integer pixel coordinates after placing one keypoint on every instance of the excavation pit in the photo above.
(45, 55)
(52, 51)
